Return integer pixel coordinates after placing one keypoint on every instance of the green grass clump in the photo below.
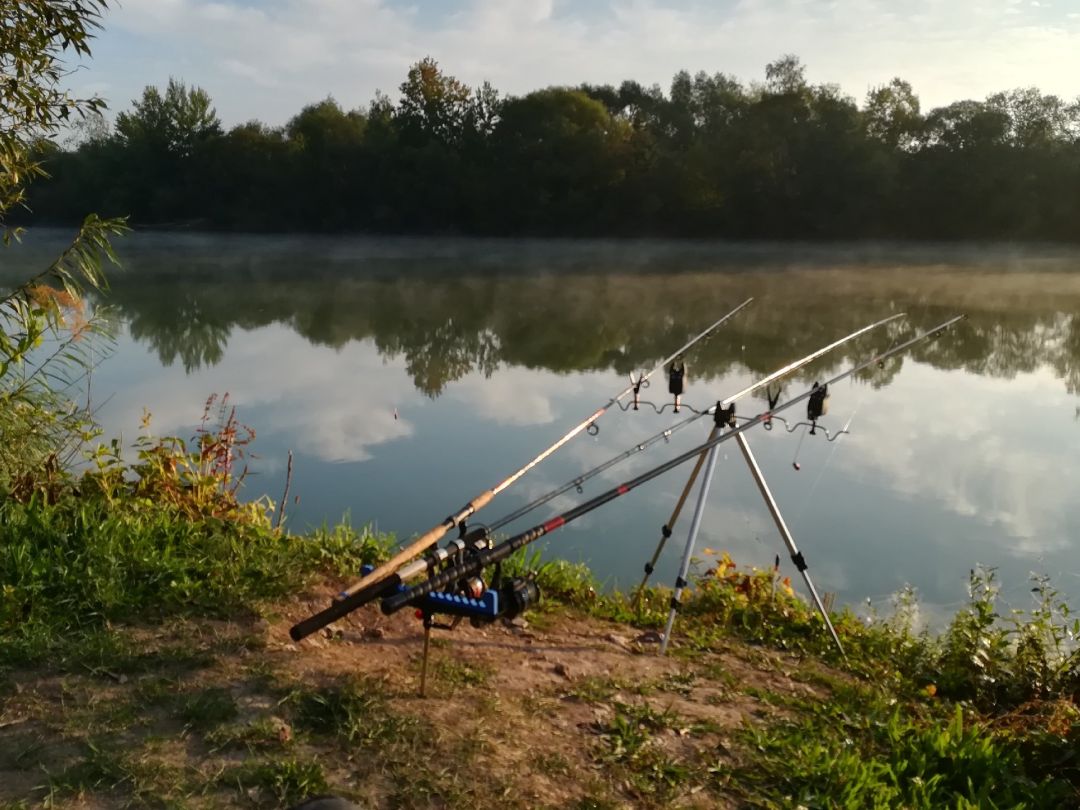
(72, 566)
(207, 708)
(106, 769)
(286, 781)
(631, 745)
(355, 709)
(862, 750)
(460, 674)
(261, 734)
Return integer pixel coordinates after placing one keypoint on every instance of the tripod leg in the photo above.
(688, 552)
(666, 530)
(785, 533)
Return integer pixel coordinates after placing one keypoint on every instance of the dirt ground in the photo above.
(558, 711)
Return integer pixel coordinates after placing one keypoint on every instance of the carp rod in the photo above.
(370, 591)
(486, 557)
(434, 534)
(666, 434)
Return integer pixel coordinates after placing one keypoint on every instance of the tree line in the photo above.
(712, 157)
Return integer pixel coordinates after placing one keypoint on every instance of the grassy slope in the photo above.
(144, 659)
(573, 711)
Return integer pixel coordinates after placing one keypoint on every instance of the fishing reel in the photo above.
(518, 595)
(471, 599)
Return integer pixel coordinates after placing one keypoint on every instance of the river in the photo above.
(408, 375)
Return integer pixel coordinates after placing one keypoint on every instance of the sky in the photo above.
(266, 59)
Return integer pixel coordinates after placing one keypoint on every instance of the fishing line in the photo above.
(798, 449)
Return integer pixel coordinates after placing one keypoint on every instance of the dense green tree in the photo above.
(892, 115)
(562, 153)
(34, 35)
(433, 106)
(1036, 120)
(174, 123)
(786, 76)
(710, 157)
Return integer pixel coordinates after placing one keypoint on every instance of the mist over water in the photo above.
(409, 375)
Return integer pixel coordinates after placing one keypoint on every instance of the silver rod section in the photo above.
(688, 552)
(776, 375)
(509, 480)
(647, 443)
(785, 533)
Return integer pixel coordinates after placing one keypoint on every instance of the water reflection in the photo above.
(448, 308)
(444, 327)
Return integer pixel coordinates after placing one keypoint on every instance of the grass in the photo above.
(207, 709)
(631, 744)
(279, 782)
(111, 769)
(863, 750)
(258, 735)
(459, 674)
(70, 568)
(118, 600)
(357, 710)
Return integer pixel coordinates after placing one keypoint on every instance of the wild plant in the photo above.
(1046, 661)
(197, 479)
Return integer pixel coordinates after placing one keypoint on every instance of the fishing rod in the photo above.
(668, 528)
(666, 434)
(388, 585)
(481, 559)
(349, 602)
(433, 535)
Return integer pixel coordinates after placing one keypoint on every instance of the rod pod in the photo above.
(668, 528)
(482, 559)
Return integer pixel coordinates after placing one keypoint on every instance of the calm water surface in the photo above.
(407, 376)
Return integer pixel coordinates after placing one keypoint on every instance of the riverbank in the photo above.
(197, 705)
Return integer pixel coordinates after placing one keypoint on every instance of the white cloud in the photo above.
(517, 396)
(268, 61)
(964, 455)
(336, 404)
